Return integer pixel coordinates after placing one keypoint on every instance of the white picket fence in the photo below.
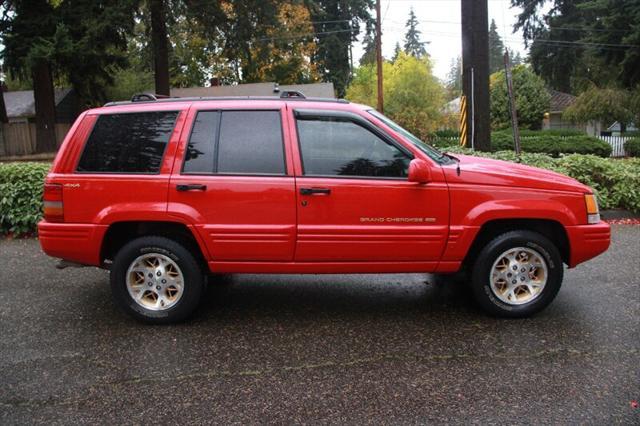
(617, 144)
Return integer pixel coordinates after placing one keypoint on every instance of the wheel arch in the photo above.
(120, 233)
(551, 229)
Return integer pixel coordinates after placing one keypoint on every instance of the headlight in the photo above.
(593, 214)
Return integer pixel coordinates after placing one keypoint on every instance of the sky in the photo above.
(440, 25)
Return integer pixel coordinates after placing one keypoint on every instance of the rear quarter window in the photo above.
(128, 143)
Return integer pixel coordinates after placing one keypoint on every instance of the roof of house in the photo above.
(560, 100)
(22, 104)
(313, 90)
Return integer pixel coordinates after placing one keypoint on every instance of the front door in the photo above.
(355, 203)
(233, 183)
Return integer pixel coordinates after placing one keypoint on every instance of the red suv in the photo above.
(164, 191)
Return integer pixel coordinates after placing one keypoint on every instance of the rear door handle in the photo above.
(311, 191)
(191, 187)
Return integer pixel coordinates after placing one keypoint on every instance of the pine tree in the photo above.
(369, 55)
(76, 41)
(496, 49)
(412, 44)
(396, 52)
(454, 78)
(336, 25)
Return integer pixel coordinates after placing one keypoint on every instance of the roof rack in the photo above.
(144, 97)
(151, 98)
(289, 94)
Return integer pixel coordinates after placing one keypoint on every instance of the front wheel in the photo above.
(156, 280)
(517, 274)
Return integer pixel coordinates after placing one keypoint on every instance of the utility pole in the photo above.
(379, 56)
(475, 71)
(512, 103)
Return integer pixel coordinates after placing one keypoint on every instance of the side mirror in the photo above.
(419, 171)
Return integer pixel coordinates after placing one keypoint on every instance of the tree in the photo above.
(413, 95)
(75, 41)
(454, 78)
(607, 105)
(531, 96)
(577, 42)
(336, 24)
(413, 46)
(285, 57)
(29, 50)
(496, 49)
(160, 45)
(396, 52)
(369, 55)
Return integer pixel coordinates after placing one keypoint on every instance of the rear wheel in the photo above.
(517, 274)
(156, 280)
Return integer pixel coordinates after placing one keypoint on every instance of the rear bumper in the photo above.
(72, 241)
(588, 241)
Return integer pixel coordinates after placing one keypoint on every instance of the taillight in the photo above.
(53, 209)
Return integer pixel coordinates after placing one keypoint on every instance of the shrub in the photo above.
(21, 186)
(549, 143)
(632, 147)
(445, 133)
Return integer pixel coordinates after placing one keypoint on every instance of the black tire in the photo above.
(483, 264)
(192, 288)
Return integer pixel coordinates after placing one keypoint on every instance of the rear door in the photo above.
(355, 202)
(232, 180)
(123, 168)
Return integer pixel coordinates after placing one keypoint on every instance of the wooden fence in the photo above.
(20, 138)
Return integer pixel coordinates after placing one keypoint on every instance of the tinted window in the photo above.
(128, 143)
(236, 142)
(343, 148)
(199, 156)
(251, 142)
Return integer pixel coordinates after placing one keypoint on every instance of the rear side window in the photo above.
(128, 143)
(236, 142)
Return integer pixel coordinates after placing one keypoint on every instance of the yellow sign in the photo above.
(463, 120)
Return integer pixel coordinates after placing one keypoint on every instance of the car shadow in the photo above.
(402, 295)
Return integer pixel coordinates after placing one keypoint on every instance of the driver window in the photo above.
(334, 147)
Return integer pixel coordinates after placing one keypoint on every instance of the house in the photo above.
(21, 106)
(19, 134)
(312, 90)
(553, 119)
(616, 129)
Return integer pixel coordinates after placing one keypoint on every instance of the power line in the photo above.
(306, 35)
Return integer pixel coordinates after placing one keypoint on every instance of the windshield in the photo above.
(432, 152)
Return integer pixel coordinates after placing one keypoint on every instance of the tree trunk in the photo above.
(45, 104)
(3, 108)
(160, 44)
(3, 119)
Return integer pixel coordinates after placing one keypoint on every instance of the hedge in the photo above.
(616, 183)
(632, 147)
(21, 186)
(551, 142)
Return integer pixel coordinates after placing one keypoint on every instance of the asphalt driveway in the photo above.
(384, 349)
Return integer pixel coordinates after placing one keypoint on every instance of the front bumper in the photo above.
(76, 242)
(587, 241)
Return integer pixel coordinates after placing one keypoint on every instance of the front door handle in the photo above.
(311, 191)
(191, 187)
